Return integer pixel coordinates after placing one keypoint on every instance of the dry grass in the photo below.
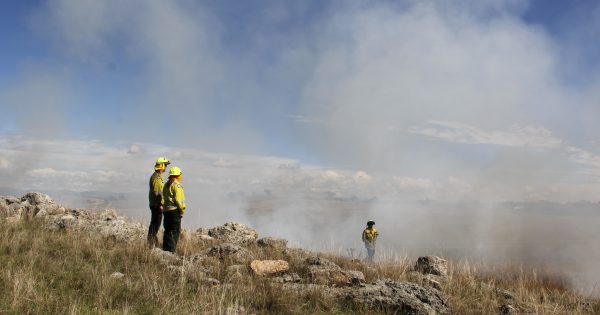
(46, 272)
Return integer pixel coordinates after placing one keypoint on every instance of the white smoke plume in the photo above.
(454, 126)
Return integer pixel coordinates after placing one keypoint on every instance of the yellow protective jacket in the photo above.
(369, 236)
(155, 195)
(174, 197)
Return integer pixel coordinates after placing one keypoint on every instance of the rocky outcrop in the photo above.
(268, 267)
(398, 298)
(29, 205)
(325, 272)
(233, 232)
(105, 224)
(432, 265)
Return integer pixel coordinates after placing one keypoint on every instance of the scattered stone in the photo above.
(508, 309)
(268, 267)
(399, 298)
(117, 275)
(272, 242)
(288, 278)
(432, 265)
(233, 232)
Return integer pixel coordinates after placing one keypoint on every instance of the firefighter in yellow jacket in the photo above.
(174, 208)
(369, 237)
(155, 197)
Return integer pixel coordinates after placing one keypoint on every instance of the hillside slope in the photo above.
(57, 260)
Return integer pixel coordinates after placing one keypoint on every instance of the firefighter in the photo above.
(369, 237)
(155, 197)
(174, 208)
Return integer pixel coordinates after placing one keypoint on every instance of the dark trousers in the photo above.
(155, 222)
(172, 224)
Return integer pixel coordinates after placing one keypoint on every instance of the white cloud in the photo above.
(221, 162)
(518, 136)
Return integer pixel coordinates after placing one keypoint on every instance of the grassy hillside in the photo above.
(57, 260)
(56, 272)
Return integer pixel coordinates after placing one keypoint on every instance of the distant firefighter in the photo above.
(174, 209)
(155, 197)
(369, 237)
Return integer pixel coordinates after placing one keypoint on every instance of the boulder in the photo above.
(394, 297)
(234, 252)
(33, 202)
(432, 265)
(233, 232)
(268, 267)
(272, 242)
(117, 275)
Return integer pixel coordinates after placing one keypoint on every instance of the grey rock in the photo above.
(233, 232)
(399, 298)
(432, 265)
(117, 275)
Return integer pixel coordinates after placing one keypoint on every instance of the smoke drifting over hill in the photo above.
(425, 117)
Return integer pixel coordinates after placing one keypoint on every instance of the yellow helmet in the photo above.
(162, 160)
(175, 171)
